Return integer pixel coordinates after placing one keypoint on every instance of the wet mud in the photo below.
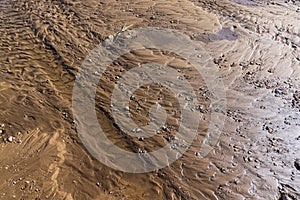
(254, 44)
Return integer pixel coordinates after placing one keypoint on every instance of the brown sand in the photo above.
(256, 45)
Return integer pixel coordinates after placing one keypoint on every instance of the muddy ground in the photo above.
(256, 46)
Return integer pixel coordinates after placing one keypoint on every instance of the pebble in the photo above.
(164, 128)
(250, 159)
(10, 139)
(136, 130)
(127, 108)
(269, 129)
(152, 17)
(278, 91)
(98, 184)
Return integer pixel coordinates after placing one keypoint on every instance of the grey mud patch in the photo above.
(248, 2)
(223, 34)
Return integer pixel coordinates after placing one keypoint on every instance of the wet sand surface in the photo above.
(256, 46)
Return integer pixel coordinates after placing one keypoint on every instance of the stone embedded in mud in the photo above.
(127, 108)
(10, 139)
(153, 17)
(278, 91)
(297, 164)
(269, 129)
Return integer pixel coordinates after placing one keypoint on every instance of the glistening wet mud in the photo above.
(254, 45)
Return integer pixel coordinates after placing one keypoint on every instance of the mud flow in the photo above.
(255, 45)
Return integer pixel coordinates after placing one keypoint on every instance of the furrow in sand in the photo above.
(54, 168)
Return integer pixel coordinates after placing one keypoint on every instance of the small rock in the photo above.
(269, 129)
(244, 64)
(278, 91)
(250, 159)
(223, 170)
(152, 17)
(164, 128)
(10, 139)
(98, 184)
(127, 108)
